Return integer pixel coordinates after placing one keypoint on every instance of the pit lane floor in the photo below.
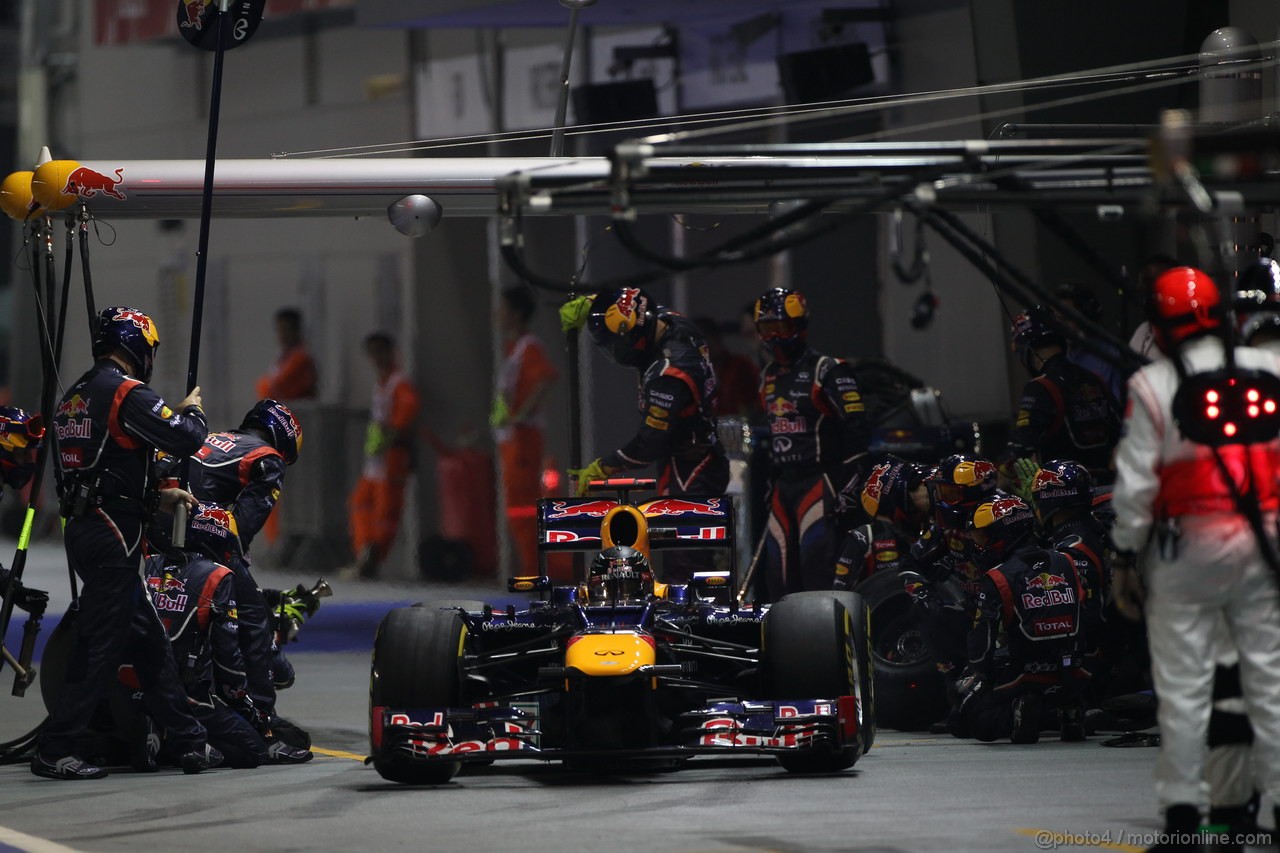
(914, 792)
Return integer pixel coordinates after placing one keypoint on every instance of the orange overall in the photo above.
(525, 369)
(378, 498)
(292, 376)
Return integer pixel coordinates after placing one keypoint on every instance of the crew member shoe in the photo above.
(280, 752)
(1072, 731)
(201, 759)
(69, 767)
(144, 747)
(1026, 718)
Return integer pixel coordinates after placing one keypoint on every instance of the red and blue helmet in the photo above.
(622, 323)
(886, 493)
(275, 420)
(957, 484)
(998, 524)
(21, 434)
(130, 330)
(1062, 484)
(1034, 328)
(782, 321)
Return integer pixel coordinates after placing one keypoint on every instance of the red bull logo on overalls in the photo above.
(1047, 589)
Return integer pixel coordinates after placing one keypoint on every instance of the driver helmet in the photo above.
(620, 573)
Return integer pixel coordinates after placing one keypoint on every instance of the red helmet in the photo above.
(1184, 302)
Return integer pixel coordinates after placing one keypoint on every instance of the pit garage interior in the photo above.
(372, 80)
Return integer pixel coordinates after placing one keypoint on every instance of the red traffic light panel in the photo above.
(1218, 407)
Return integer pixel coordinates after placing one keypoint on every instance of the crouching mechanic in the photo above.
(195, 597)
(897, 500)
(677, 433)
(241, 472)
(1201, 559)
(1035, 596)
(21, 435)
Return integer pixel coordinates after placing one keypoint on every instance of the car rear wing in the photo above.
(686, 522)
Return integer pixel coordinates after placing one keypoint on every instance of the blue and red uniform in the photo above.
(108, 426)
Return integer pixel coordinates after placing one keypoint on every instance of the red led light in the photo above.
(1212, 412)
(1269, 407)
(1211, 396)
(1252, 395)
(1253, 411)
(1228, 429)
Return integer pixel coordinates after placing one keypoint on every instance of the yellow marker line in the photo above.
(337, 753)
(1047, 839)
(30, 843)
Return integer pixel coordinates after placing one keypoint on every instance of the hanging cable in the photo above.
(83, 217)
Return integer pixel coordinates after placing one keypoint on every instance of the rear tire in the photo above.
(910, 694)
(417, 663)
(809, 652)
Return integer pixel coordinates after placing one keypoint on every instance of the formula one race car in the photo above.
(621, 666)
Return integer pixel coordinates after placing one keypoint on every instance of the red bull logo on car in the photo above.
(86, 183)
(587, 509)
(679, 506)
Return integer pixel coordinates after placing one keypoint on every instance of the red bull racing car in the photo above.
(620, 666)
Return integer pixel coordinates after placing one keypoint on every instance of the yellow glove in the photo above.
(375, 439)
(1024, 477)
(573, 314)
(593, 471)
(500, 413)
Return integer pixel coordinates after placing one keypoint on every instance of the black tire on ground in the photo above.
(809, 652)
(910, 694)
(417, 664)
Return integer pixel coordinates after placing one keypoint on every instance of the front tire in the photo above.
(810, 651)
(417, 663)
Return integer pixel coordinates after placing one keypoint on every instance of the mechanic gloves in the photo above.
(594, 471)
(573, 314)
(1024, 477)
(24, 597)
